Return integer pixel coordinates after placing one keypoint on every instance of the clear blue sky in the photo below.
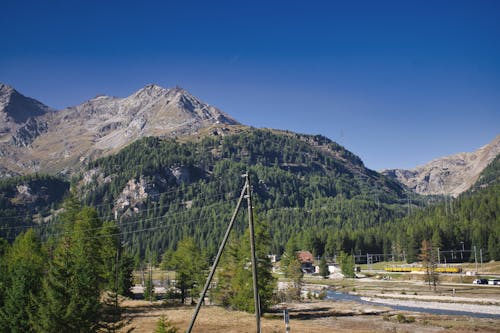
(397, 82)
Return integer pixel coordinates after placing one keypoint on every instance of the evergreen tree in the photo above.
(493, 247)
(235, 277)
(25, 266)
(52, 314)
(69, 301)
(3, 268)
(190, 266)
(163, 325)
(347, 265)
(323, 268)
(85, 269)
(149, 289)
(292, 269)
(166, 260)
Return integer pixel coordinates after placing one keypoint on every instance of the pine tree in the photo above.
(25, 266)
(52, 314)
(292, 269)
(149, 289)
(190, 266)
(3, 268)
(323, 268)
(235, 276)
(347, 265)
(163, 325)
(166, 260)
(69, 301)
(493, 247)
(85, 269)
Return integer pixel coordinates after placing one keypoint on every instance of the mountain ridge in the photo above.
(59, 141)
(448, 175)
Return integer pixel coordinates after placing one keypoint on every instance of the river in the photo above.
(337, 296)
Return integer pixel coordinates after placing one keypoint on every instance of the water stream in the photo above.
(337, 296)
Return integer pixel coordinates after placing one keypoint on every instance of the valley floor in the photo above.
(312, 316)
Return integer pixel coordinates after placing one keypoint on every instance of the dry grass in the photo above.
(321, 316)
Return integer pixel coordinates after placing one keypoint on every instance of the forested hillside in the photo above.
(27, 200)
(160, 190)
(489, 176)
(473, 219)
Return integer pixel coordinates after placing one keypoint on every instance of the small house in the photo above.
(306, 260)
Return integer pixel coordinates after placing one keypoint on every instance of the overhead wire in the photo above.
(164, 217)
(112, 215)
(179, 189)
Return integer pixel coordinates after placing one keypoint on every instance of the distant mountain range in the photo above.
(450, 175)
(37, 138)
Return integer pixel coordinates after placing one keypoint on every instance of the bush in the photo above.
(165, 326)
(405, 320)
(322, 294)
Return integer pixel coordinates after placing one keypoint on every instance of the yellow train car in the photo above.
(423, 269)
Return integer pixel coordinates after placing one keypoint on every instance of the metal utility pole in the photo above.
(151, 277)
(246, 189)
(286, 318)
(252, 248)
(481, 256)
(475, 256)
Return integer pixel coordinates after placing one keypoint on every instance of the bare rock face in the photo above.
(135, 194)
(449, 175)
(35, 140)
(28, 132)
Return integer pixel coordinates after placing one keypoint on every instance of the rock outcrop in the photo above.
(28, 132)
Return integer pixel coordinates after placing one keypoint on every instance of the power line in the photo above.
(166, 216)
(179, 189)
(105, 216)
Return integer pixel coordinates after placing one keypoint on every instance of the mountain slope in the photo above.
(489, 176)
(302, 184)
(449, 175)
(60, 141)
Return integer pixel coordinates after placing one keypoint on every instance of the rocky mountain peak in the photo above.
(150, 91)
(16, 109)
(5, 89)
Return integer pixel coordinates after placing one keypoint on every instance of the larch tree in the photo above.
(428, 257)
(190, 266)
(25, 267)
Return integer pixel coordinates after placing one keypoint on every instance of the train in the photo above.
(423, 269)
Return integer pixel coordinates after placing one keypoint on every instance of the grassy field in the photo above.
(316, 316)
